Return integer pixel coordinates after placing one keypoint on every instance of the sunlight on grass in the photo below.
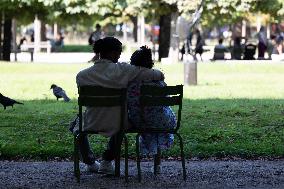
(235, 110)
(216, 80)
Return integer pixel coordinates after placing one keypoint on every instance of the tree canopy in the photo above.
(215, 12)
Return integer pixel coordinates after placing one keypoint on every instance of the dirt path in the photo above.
(201, 174)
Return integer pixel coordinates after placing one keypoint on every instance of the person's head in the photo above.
(98, 26)
(197, 31)
(142, 57)
(108, 48)
(220, 41)
(261, 29)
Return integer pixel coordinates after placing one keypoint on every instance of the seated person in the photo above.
(107, 72)
(219, 51)
(155, 116)
(238, 49)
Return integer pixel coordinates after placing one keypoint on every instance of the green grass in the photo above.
(235, 110)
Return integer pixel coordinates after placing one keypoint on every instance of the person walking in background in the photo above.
(95, 36)
(279, 43)
(262, 42)
(199, 45)
(238, 49)
(271, 46)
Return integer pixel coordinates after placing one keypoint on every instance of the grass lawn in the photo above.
(235, 110)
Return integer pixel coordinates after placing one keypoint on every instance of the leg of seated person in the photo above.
(110, 152)
(85, 150)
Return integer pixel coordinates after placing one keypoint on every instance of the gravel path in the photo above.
(201, 174)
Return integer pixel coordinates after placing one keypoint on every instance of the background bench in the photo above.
(42, 45)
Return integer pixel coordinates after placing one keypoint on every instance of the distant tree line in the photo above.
(216, 13)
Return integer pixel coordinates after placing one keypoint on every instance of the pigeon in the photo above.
(5, 101)
(59, 93)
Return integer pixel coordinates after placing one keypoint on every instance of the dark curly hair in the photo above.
(142, 57)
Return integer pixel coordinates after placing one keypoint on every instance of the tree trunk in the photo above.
(134, 21)
(164, 35)
(42, 31)
(7, 39)
(1, 46)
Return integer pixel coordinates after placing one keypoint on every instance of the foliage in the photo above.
(235, 110)
(217, 13)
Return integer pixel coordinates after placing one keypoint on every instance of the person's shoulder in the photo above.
(125, 65)
(84, 71)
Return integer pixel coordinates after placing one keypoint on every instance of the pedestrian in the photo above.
(199, 44)
(238, 49)
(96, 35)
(262, 43)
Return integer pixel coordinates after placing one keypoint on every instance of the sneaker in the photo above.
(93, 167)
(106, 167)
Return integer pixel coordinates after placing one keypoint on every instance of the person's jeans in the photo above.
(109, 154)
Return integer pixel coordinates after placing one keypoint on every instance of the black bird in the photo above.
(59, 93)
(5, 101)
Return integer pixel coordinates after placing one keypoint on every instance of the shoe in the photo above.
(106, 167)
(93, 167)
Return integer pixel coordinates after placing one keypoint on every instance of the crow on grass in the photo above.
(59, 93)
(5, 101)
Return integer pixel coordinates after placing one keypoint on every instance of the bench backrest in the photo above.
(162, 96)
(96, 96)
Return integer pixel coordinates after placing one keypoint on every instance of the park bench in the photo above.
(19, 51)
(219, 54)
(29, 47)
(42, 45)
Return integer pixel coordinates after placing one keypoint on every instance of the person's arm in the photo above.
(146, 74)
(136, 73)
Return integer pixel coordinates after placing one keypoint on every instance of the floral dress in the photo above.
(155, 117)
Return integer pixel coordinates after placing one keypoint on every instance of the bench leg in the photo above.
(157, 161)
(182, 156)
(15, 53)
(32, 56)
(76, 160)
(118, 141)
(138, 157)
(126, 157)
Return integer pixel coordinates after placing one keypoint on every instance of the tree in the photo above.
(23, 10)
